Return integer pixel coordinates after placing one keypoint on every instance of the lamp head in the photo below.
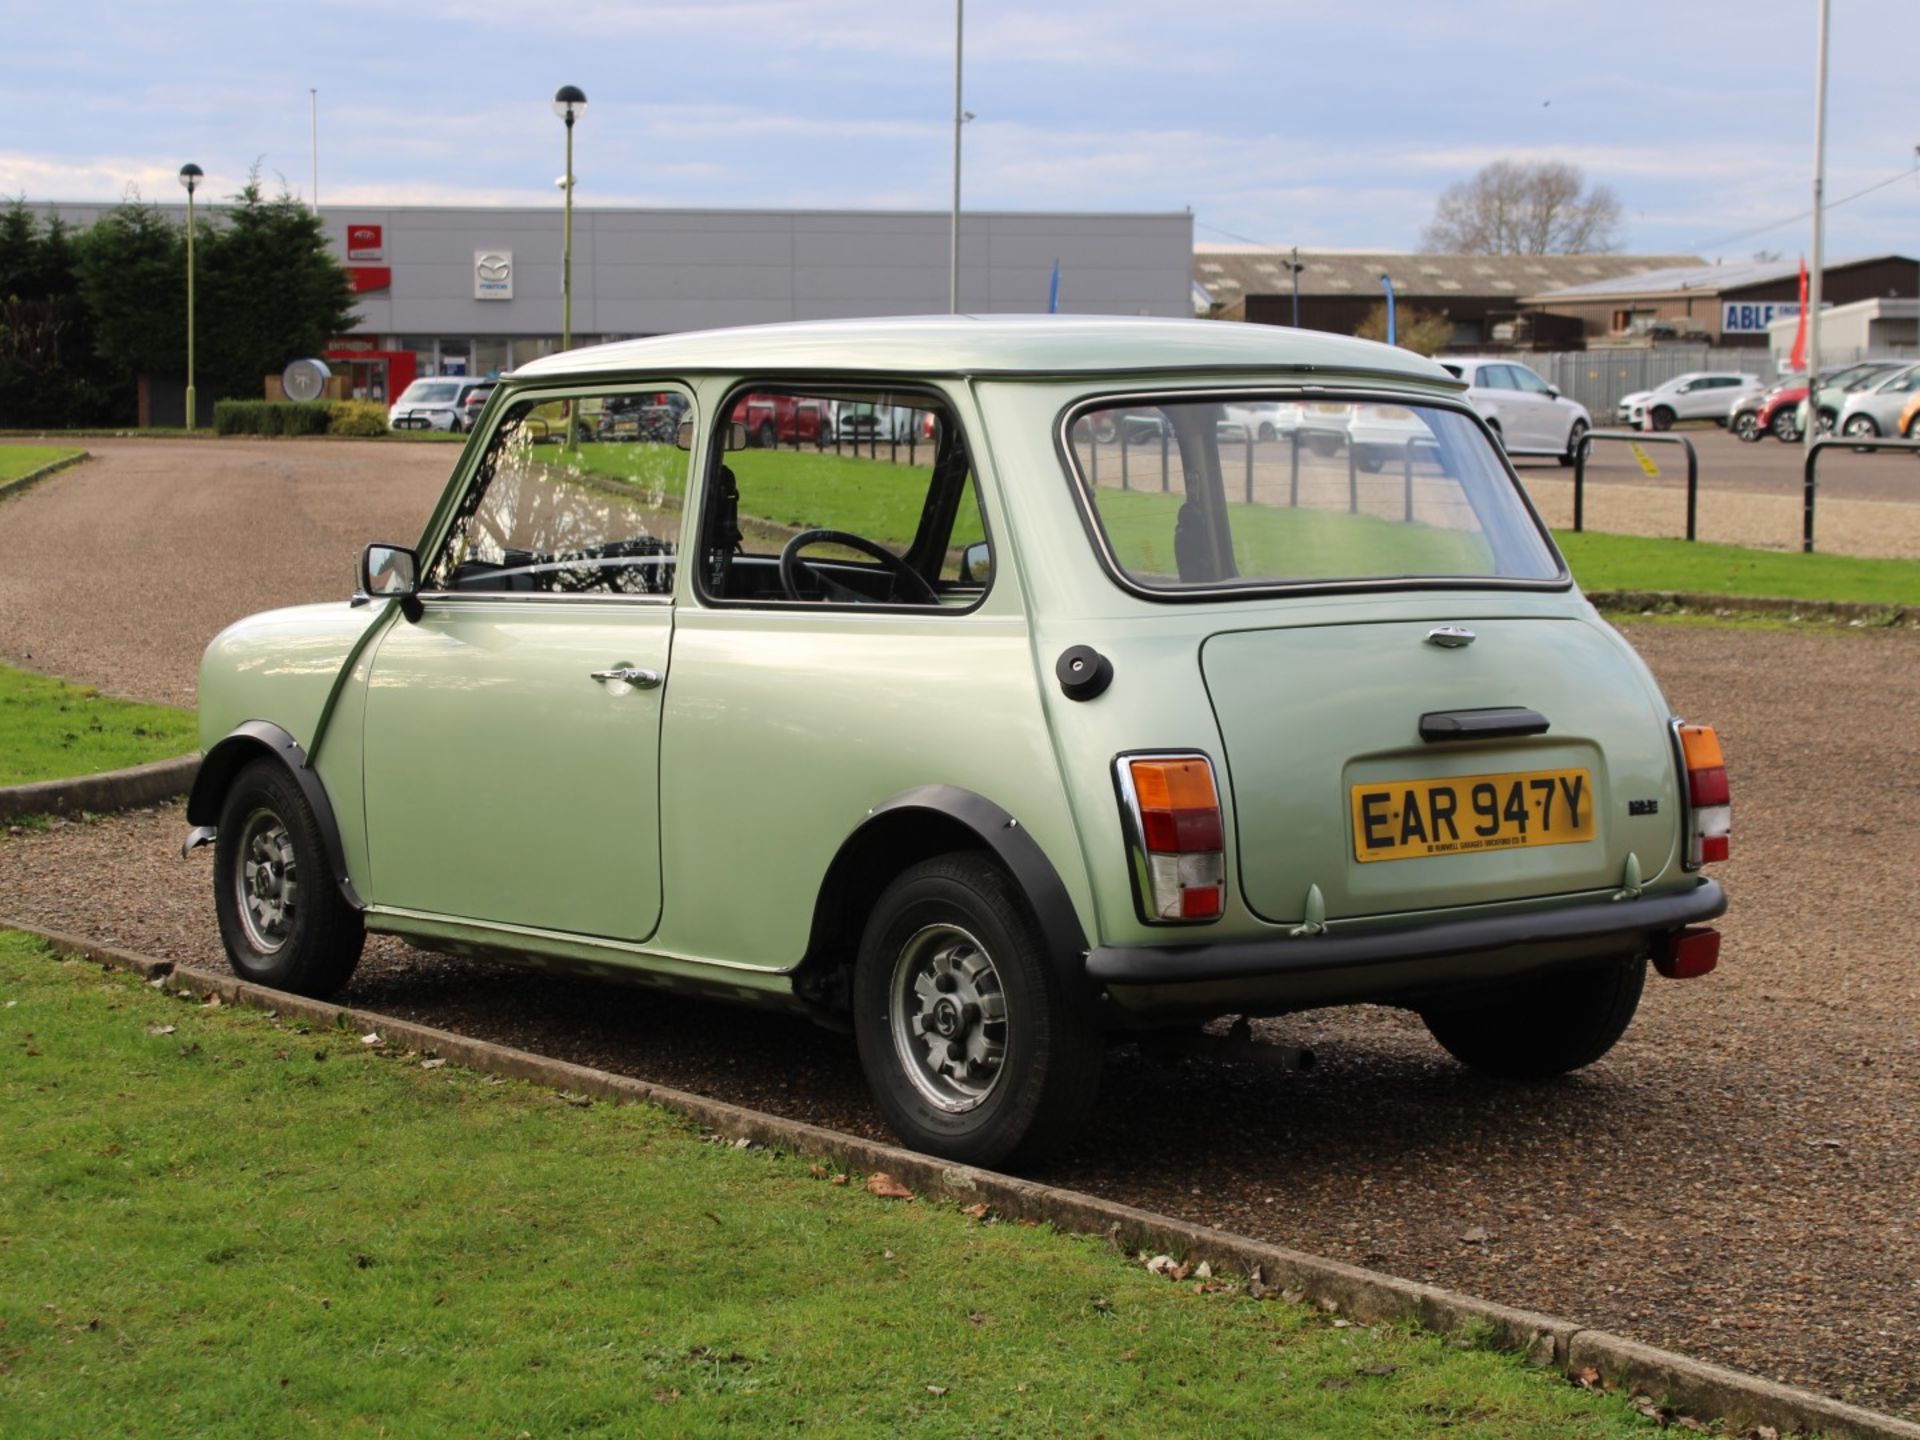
(569, 102)
(190, 176)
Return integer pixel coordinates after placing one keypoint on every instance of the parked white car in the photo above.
(1258, 422)
(1876, 409)
(1526, 414)
(1697, 395)
(434, 404)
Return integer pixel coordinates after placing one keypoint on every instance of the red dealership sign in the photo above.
(365, 242)
(369, 277)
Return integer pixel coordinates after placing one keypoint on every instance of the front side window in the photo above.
(578, 495)
(842, 498)
(1525, 379)
(1345, 490)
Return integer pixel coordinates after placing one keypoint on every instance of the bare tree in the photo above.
(1525, 208)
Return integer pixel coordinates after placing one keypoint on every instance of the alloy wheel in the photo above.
(947, 1010)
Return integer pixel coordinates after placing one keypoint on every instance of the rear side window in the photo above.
(1187, 497)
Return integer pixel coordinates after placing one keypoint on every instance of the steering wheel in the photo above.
(905, 577)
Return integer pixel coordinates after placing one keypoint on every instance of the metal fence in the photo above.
(1598, 378)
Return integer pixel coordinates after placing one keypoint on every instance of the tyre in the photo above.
(1267, 432)
(282, 917)
(1861, 427)
(1783, 426)
(826, 433)
(1575, 434)
(1542, 1028)
(1747, 426)
(765, 437)
(1662, 417)
(975, 1046)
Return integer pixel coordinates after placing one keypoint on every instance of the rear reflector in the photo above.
(1687, 953)
(1173, 811)
(1709, 801)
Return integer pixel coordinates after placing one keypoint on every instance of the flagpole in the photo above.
(959, 119)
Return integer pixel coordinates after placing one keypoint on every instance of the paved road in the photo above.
(1737, 1180)
(1765, 467)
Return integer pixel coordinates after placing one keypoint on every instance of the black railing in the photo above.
(1635, 437)
(1811, 483)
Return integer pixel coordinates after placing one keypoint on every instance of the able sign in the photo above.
(1751, 317)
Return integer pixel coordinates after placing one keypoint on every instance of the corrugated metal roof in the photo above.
(1705, 279)
(1228, 274)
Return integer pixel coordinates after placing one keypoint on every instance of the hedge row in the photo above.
(293, 417)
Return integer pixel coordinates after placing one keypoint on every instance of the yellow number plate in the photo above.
(1412, 819)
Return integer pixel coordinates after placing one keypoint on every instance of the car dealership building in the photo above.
(477, 291)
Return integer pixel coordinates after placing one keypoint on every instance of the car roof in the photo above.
(1006, 345)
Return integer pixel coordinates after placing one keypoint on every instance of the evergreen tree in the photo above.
(50, 374)
(272, 292)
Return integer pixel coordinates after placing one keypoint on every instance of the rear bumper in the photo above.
(1492, 945)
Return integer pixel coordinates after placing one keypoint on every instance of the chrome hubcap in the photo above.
(948, 1013)
(266, 881)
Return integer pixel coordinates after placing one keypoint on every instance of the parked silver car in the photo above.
(1697, 395)
(1876, 409)
(1526, 414)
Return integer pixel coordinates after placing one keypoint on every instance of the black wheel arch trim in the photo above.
(1256, 959)
(1002, 835)
(248, 742)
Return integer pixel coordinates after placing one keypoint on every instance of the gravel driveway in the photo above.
(1738, 1180)
(118, 572)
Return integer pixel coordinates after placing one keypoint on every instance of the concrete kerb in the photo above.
(110, 790)
(20, 483)
(1366, 1296)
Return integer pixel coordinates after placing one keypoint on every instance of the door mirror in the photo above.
(1553, 392)
(389, 571)
(976, 564)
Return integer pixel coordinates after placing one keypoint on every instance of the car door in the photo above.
(512, 727)
(1540, 415)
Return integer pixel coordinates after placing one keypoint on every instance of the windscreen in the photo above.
(1194, 494)
(432, 394)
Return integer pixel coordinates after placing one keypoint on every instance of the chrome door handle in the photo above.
(631, 674)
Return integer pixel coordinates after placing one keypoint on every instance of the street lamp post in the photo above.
(568, 103)
(1295, 267)
(190, 176)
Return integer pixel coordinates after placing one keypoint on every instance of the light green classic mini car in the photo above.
(1078, 706)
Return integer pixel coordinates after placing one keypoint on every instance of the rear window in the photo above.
(1192, 495)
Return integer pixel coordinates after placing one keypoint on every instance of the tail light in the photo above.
(1179, 854)
(1709, 802)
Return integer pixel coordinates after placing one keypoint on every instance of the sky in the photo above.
(1322, 125)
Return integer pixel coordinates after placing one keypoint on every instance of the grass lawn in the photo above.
(1303, 543)
(50, 730)
(1630, 562)
(18, 460)
(216, 1224)
(797, 489)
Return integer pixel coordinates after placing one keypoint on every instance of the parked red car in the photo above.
(784, 420)
(1771, 412)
